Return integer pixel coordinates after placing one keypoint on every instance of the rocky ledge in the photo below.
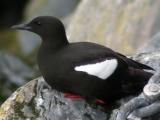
(37, 101)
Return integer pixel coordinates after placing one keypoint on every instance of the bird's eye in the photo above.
(38, 23)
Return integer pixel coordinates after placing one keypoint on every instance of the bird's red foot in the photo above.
(99, 101)
(74, 96)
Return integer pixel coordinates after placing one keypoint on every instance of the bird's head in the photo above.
(44, 26)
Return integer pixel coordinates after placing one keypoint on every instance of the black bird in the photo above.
(83, 68)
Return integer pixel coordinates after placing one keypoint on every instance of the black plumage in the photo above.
(58, 59)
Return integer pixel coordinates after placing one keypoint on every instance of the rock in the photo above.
(145, 106)
(151, 59)
(57, 8)
(123, 25)
(13, 69)
(36, 100)
(152, 45)
(13, 73)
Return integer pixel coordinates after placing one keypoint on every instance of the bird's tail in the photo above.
(135, 81)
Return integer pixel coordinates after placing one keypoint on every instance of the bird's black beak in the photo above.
(21, 27)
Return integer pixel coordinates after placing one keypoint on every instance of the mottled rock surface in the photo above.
(37, 101)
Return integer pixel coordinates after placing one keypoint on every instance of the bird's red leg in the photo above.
(99, 101)
(75, 96)
(72, 95)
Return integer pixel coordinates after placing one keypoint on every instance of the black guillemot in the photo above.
(85, 69)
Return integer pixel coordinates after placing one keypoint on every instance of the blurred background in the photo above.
(126, 26)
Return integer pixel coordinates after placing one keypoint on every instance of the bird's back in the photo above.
(58, 68)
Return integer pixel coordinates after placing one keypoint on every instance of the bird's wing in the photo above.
(94, 59)
(103, 69)
(98, 60)
(134, 63)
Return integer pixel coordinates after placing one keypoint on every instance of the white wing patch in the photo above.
(102, 69)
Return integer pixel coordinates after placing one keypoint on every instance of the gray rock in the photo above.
(123, 25)
(36, 100)
(57, 8)
(146, 106)
(13, 73)
(152, 45)
(13, 69)
(151, 59)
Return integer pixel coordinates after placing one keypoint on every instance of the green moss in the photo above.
(2, 111)
(18, 110)
(19, 106)
(32, 105)
(19, 98)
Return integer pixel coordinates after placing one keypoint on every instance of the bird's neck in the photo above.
(54, 43)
